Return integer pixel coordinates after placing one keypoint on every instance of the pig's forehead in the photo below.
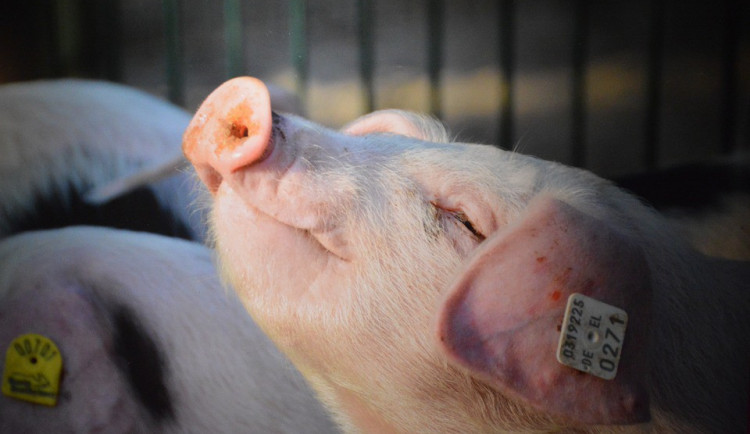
(446, 166)
(482, 166)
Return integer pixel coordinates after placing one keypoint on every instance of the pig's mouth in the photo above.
(333, 243)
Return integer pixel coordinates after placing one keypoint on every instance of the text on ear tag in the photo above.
(33, 365)
(591, 336)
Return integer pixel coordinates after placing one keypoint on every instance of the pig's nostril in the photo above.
(238, 130)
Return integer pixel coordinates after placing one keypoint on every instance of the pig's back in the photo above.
(150, 340)
(61, 138)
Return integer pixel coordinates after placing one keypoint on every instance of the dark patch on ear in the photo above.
(142, 364)
(694, 188)
(138, 210)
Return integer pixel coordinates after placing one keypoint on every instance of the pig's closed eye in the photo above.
(458, 220)
(461, 217)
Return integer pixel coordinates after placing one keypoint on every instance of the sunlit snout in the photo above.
(230, 130)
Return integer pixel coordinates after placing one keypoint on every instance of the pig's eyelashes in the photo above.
(461, 217)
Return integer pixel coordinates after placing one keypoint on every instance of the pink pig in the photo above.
(421, 285)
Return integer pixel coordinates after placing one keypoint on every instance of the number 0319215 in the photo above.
(591, 336)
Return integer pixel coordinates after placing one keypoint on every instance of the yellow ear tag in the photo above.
(33, 365)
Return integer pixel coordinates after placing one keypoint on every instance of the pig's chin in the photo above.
(264, 257)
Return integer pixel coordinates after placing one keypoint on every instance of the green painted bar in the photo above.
(654, 84)
(366, 51)
(506, 20)
(173, 36)
(299, 45)
(233, 38)
(733, 12)
(578, 109)
(109, 46)
(435, 25)
(68, 35)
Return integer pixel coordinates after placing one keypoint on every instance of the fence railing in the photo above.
(66, 18)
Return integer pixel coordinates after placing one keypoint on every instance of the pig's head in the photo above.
(419, 284)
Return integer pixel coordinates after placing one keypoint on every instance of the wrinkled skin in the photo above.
(370, 256)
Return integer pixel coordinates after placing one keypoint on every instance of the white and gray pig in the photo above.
(149, 341)
(59, 139)
(422, 286)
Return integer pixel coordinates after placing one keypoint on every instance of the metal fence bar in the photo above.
(733, 10)
(173, 36)
(68, 37)
(578, 109)
(233, 38)
(366, 51)
(104, 18)
(44, 20)
(435, 25)
(299, 47)
(654, 85)
(506, 19)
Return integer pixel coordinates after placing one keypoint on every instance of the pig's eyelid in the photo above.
(462, 218)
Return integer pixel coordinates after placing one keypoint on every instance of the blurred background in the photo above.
(616, 87)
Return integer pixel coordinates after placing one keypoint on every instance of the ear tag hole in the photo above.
(592, 336)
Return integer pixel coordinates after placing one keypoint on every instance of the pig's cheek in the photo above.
(263, 258)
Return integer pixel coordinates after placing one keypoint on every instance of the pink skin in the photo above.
(357, 253)
(288, 246)
(494, 334)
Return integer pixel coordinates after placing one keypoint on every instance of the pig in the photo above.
(709, 202)
(116, 189)
(421, 285)
(60, 139)
(150, 341)
(97, 153)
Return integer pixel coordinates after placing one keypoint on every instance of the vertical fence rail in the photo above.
(578, 108)
(506, 19)
(654, 84)
(233, 38)
(299, 47)
(435, 25)
(174, 57)
(435, 15)
(105, 19)
(365, 21)
(68, 37)
(733, 10)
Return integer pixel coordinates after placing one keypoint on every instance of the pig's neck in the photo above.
(699, 349)
(359, 416)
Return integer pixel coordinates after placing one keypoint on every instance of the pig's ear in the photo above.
(503, 314)
(398, 122)
(122, 186)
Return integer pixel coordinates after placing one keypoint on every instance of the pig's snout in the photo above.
(230, 130)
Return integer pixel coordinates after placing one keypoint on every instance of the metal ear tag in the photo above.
(591, 336)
